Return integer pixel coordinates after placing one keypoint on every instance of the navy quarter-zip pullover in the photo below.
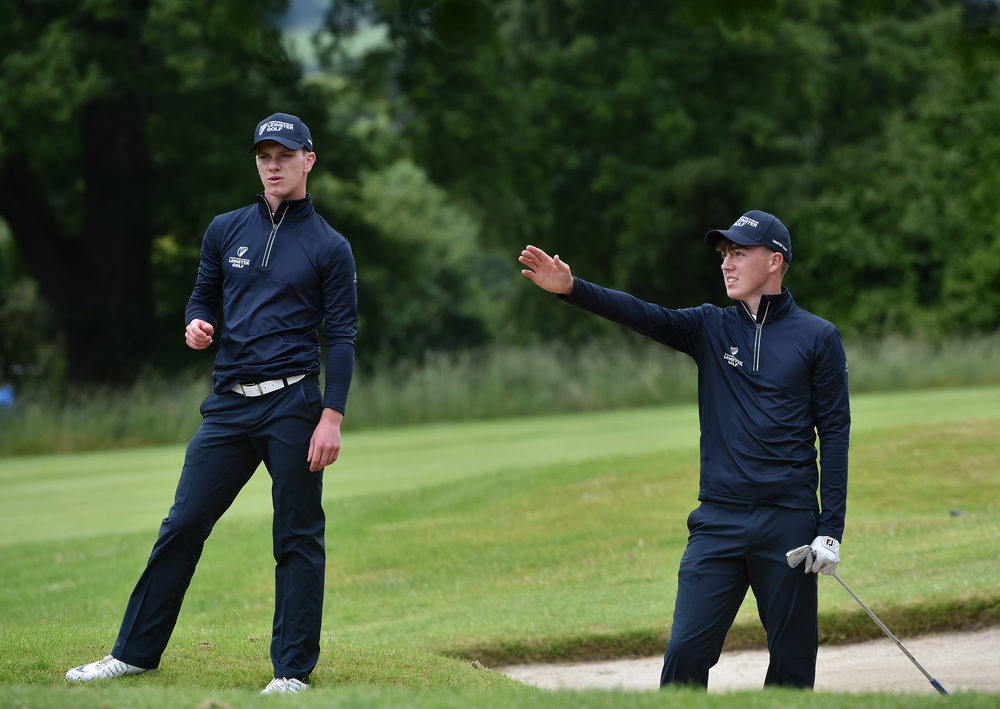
(277, 277)
(766, 388)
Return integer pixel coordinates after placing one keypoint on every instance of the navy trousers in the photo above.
(238, 433)
(732, 547)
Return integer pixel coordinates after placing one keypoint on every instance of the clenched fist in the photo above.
(198, 334)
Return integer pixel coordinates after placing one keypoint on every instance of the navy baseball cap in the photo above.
(283, 128)
(755, 228)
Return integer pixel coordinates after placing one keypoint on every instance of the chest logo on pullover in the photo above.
(238, 261)
(731, 358)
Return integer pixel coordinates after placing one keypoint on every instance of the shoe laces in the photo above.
(285, 685)
(110, 667)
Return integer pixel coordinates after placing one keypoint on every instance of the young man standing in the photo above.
(277, 270)
(771, 376)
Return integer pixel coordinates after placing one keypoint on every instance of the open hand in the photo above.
(548, 273)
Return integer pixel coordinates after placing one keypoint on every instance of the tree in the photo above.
(607, 132)
(122, 122)
(616, 133)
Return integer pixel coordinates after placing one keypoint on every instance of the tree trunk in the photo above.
(95, 275)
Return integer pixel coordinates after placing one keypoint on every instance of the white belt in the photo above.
(261, 388)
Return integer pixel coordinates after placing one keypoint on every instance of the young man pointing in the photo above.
(771, 378)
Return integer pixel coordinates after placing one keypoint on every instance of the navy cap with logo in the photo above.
(283, 128)
(755, 228)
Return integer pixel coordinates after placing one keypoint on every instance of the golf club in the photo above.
(795, 556)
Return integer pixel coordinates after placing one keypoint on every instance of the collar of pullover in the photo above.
(291, 209)
(771, 307)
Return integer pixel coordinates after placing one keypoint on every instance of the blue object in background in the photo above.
(6, 396)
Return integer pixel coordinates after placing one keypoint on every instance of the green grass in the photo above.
(513, 540)
(134, 696)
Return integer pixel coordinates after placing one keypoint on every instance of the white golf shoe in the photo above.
(285, 685)
(107, 668)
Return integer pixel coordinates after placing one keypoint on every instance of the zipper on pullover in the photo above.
(270, 239)
(758, 335)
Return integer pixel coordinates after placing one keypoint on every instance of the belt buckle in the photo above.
(260, 392)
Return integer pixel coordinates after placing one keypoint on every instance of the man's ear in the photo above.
(777, 259)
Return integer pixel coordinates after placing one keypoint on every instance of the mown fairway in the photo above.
(546, 538)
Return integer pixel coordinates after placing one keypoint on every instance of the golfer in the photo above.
(277, 270)
(771, 376)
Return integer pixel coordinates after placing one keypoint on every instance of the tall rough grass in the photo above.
(618, 372)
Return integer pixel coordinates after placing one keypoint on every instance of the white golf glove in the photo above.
(824, 556)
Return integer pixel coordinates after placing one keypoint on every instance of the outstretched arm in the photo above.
(548, 273)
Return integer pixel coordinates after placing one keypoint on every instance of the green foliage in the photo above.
(29, 339)
(895, 363)
(615, 134)
(199, 76)
(117, 117)
(915, 229)
(527, 380)
(452, 132)
(424, 283)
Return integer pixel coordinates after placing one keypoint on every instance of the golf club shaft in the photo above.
(934, 682)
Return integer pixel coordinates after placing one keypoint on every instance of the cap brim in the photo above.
(713, 237)
(290, 144)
